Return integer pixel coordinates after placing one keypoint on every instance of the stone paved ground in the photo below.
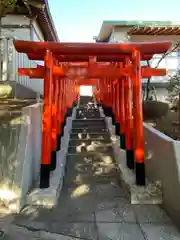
(92, 204)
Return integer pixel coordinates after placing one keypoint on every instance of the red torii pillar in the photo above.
(138, 131)
(128, 120)
(47, 122)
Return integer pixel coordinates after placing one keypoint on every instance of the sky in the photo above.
(80, 20)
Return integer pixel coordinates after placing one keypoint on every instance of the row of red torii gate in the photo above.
(114, 69)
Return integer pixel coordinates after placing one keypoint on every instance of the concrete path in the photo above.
(92, 204)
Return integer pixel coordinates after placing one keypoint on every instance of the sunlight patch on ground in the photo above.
(107, 159)
(79, 191)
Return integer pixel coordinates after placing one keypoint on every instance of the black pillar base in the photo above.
(113, 119)
(44, 176)
(110, 112)
(62, 127)
(130, 159)
(58, 147)
(104, 109)
(68, 113)
(74, 104)
(117, 128)
(53, 160)
(140, 174)
(122, 141)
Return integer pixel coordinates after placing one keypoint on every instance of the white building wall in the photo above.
(15, 59)
(119, 34)
(15, 20)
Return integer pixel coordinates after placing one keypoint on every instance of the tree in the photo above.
(174, 92)
(7, 6)
(174, 87)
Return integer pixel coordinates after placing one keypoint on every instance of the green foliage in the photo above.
(7, 6)
(174, 85)
(11, 3)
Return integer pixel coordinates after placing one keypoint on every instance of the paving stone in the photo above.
(121, 211)
(53, 236)
(160, 232)
(76, 202)
(110, 190)
(119, 231)
(150, 214)
(79, 230)
(20, 233)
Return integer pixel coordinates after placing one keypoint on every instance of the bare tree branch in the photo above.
(167, 53)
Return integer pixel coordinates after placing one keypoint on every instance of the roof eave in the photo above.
(49, 17)
(45, 20)
(133, 24)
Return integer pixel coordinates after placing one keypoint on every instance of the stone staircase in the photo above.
(89, 132)
(90, 147)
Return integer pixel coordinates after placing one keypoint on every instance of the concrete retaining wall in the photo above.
(49, 197)
(162, 156)
(20, 147)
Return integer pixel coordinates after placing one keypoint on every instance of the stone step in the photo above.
(78, 176)
(91, 158)
(86, 104)
(87, 107)
(85, 179)
(90, 148)
(90, 136)
(78, 142)
(86, 99)
(89, 113)
(89, 129)
(88, 116)
(83, 115)
(82, 123)
(85, 110)
(94, 109)
(83, 167)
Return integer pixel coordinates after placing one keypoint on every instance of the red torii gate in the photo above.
(115, 82)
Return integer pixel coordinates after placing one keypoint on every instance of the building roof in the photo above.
(139, 28)
(44, 19)
(47, 23)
